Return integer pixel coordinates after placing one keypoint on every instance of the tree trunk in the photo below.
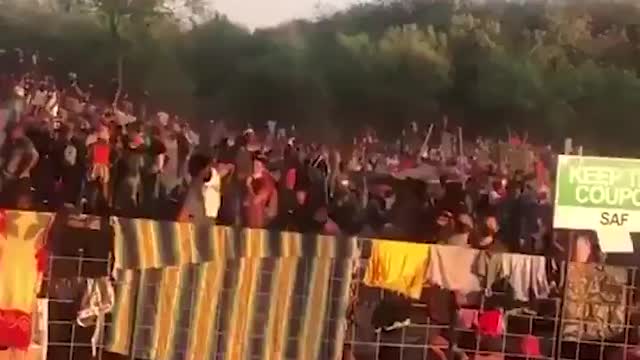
(114, 20)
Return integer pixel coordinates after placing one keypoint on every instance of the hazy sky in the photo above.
(262, 13)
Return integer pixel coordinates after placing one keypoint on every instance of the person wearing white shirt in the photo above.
(211, 194)
(204, 196)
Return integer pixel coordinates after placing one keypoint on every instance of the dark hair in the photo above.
(260, 156)
(241, 141)
(156, 131)
(198, 162)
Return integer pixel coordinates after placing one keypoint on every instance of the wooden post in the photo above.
(460, 143)
(425, 143)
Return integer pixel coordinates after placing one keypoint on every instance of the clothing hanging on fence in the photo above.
(96, 302)
(39, 330)
(525, 274)
(220, 309)
(397, 266)
(275, 286)
(451, 268)
(467, 318)
(530, 346)
(37, 350)
(29, 354)
(491, 323)
(22, 261)
(392, 312)
(65, 298)
(143, 244)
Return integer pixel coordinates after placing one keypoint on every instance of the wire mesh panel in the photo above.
(592, 314)
(445, 324)
(81, 254)
(384, 325)
(298, 307)
(67, 338)
(242, 308)
(424, 337)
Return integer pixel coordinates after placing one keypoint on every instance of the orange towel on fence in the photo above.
(398, 266)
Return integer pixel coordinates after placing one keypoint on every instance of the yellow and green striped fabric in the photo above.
(244, 308)
(193, 292)
(143, 244)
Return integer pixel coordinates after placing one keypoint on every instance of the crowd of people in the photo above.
(61, 146)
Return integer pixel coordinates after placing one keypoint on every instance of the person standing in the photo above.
(203, 198)
(157, 153)
(100, 165)
(243, 165)
(170, 174)
(261, 200)
(18, 102)
(19, 158)
(67, 161)
(129, 189)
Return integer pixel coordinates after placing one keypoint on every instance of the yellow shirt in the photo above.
(398, 266)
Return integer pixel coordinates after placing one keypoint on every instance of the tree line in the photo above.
(557, 69)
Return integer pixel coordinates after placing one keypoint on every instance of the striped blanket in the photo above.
(220, 293)
(142, 244)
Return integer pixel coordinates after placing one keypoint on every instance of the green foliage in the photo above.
(556, 70)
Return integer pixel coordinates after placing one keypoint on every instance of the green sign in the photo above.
(601, 194)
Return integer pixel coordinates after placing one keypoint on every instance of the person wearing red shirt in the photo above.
(99, 158)
(261, 200)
